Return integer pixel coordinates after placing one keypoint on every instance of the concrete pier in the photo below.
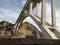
(31, 7)
(53, 13)
(43, 12)
(37, 8)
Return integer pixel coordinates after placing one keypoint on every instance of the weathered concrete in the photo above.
(53, 13)
(48, 34)
(29, 6)
(43, 12)
(16, 41)
(37, 5)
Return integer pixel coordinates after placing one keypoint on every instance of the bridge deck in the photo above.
(14, 41)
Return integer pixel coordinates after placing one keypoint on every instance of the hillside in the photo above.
(6, 29)
(26, 30)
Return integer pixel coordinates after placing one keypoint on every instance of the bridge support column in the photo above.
(31, 7)
(53, 14)
(15, 31)
(37, 8)
(43, 12)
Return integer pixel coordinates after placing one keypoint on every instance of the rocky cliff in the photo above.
(6, 29)
(26, 30)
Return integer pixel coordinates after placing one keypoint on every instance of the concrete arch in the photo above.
(38, 22)
(29, 6)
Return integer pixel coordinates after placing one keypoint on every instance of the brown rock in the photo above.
(6, 29)
(27, 30)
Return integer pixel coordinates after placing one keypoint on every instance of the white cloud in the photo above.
(58, 18)
(8, 15)
(7, 0)
(48, 15)
(23, 2)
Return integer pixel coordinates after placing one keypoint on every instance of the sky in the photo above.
(10, 10)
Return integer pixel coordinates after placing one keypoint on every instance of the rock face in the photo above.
(6, 29)
(27, 30)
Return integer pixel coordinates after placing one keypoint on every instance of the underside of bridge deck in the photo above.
(15, 41)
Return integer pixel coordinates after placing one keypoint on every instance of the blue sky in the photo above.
(10, 10)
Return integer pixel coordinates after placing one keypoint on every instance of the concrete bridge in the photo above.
(50, 31)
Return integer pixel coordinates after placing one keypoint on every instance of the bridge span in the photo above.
(49, 31)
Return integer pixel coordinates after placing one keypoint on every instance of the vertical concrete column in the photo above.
(43, 12)
(31, 7)
(37, 8)
(15, 29)
(53, 13)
